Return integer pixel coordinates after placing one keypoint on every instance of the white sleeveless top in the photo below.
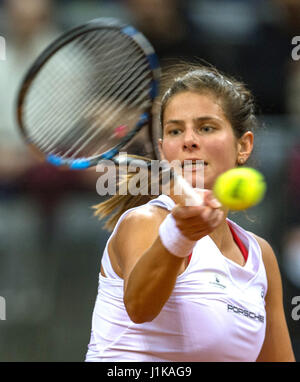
(216, 311)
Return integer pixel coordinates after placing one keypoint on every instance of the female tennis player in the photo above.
(185, 283)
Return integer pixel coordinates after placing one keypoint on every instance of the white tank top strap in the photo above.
(106, 266)
(163, 201)
(105, 262)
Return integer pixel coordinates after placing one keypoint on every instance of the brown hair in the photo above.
(236, 101)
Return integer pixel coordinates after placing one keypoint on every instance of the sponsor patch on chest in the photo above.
(245, 313)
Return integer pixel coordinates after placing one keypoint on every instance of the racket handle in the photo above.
(187, 195)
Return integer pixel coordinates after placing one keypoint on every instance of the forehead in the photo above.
(190, 105)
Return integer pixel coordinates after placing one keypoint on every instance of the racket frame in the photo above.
(145, 118)
(60, 42)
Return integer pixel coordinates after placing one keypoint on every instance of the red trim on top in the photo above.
(238, 242)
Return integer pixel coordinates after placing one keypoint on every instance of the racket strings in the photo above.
(119, 96)
(90, 110)
(104, 111)
(112, 120)
(47, 98)
(58, 68)
(97, 83)
(75, 81)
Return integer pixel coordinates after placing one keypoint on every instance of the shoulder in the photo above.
(142, 223)
(268, 254)
(134, 235)
(146, 214)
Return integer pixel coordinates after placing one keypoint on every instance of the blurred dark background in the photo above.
(50, 243)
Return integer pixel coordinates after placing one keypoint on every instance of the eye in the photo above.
(174, 131)
(206, 129)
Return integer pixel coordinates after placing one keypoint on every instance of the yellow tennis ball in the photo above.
(240, 188)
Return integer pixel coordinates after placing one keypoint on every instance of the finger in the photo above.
(209, 218)
(209, 213)
(210, 200)
(184, 212)
(206, 229)
(217, 218)
(193, 215)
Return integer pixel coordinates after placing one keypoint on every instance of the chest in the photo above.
(240, 277)
(222, 317)
(235, 255)
(232, 253)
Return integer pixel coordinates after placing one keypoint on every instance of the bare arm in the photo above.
(149, 270)
(277, 346)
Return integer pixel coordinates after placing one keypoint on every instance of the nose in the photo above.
(190, 142)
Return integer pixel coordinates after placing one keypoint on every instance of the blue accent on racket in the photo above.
(80, 164)
(153, 61)
(130, 31)
(54, 160)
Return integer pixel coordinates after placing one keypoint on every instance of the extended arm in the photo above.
(149, 270)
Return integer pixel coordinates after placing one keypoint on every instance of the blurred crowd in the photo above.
(250, 39)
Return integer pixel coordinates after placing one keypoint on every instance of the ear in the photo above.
(244, 147)
(159, 145)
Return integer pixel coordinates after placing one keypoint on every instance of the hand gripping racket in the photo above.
(89, 94)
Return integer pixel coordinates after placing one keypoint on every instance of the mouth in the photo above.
(193, 164)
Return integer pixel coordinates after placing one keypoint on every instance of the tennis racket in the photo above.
(89, 94)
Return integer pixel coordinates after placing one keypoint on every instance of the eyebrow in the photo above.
(198, 119)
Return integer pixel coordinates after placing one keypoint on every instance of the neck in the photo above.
(221, 234)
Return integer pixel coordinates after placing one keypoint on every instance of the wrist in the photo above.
(173, 239)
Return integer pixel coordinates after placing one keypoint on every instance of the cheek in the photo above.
(224, 150)
(170, 150)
